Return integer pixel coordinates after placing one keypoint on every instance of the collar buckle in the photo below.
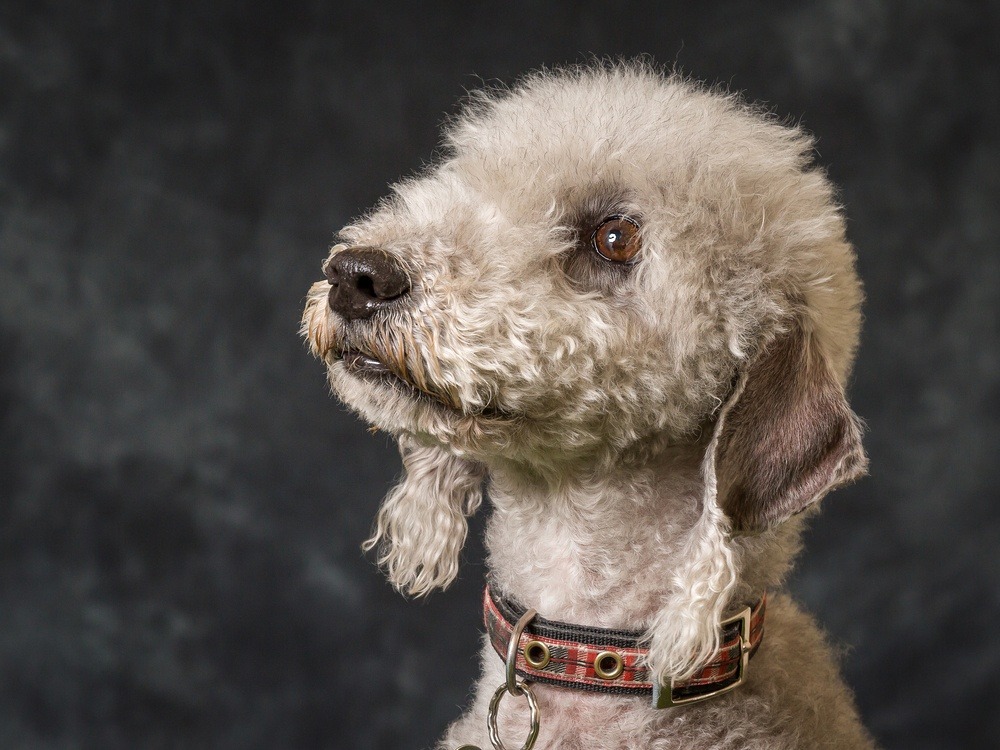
(668, 698)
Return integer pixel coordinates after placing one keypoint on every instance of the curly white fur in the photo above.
(422, 523)
(632, 485)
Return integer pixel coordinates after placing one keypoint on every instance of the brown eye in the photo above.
(617, 239)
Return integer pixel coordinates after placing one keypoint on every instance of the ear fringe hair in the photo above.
(421, 527)
(684, 635)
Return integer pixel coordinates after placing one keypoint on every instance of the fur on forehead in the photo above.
(739, 234)
(714, 178)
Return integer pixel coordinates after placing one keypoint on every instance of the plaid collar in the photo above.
(613, 661)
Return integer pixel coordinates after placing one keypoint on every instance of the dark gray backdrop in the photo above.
(181, 502)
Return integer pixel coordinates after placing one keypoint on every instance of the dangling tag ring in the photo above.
(512, 686)
(491, 719)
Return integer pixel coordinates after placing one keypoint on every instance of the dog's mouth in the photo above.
(363, 365)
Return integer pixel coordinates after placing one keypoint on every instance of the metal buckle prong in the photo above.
(666, 699)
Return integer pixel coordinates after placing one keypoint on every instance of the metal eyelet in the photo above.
(536, 654)
(608, 665)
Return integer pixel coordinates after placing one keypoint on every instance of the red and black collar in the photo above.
(613, 661)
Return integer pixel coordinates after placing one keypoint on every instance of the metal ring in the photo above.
(491, 717)
(531, 648)
(618, 665)
(512, 685)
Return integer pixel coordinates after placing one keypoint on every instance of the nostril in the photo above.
(366, 285)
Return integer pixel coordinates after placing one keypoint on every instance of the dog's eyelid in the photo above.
(626, 215)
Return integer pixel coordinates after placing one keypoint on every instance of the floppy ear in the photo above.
(421, 526)
(783, 439)
(786, 437)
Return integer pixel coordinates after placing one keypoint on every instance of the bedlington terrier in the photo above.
(624, 304)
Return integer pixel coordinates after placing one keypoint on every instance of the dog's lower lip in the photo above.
(357, 361)
(366, 366)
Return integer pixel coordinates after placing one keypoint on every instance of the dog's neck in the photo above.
(603, 549)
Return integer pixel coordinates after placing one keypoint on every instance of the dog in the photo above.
(625, 304)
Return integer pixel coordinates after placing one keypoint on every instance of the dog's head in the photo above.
(604, 260)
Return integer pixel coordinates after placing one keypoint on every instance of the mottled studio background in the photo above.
(181, 502)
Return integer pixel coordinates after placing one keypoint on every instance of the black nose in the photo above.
(363, 280)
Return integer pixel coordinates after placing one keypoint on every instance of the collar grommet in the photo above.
(536, 654)
(608, 665)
